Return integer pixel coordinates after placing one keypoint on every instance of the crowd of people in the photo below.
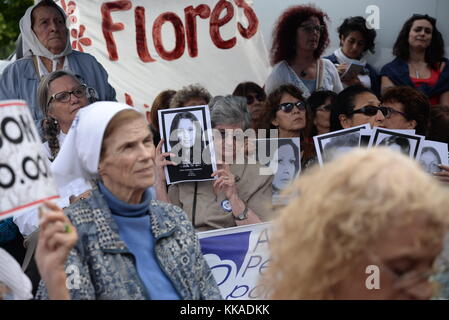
(130, 235)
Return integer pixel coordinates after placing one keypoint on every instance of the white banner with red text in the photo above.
(150, 46)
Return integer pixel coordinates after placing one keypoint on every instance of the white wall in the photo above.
(392, 14)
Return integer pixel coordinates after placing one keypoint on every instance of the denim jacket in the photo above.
(101, 267)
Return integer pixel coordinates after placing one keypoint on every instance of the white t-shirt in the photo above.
(283, 74)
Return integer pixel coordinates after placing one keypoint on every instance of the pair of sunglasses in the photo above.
(326, 107)
(250, 99)
(372, 111)
(288, 106)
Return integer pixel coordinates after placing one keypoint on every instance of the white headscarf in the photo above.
(79, 156)
(32, 45)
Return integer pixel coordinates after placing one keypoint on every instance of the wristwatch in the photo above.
(243, 215)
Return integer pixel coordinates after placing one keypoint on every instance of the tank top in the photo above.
(434, 76)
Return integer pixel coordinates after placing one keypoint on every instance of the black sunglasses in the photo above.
(372, 111)
(326, 107)
(250, 98)
(288, 106)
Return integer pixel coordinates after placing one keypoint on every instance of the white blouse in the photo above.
(283, 74)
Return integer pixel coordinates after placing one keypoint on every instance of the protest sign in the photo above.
(150, 46)
(25, 177)
(237, 257)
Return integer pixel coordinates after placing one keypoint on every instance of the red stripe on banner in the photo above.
(27, 205)
(20, 104)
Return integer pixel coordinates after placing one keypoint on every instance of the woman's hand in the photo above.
(161, 162)
(225, 182)
(341, 68)
(443, 176)
(57, 236)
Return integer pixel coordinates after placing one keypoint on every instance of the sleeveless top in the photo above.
(432, 81)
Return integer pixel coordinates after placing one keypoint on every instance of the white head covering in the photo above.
(12, 276)
(79, 156)
(32, 45)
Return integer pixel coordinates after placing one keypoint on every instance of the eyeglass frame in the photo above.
(364, 108)
(53, 97)
(309, 28)
(326, 107)
(253, 96)
(392, 110)
(295, 104)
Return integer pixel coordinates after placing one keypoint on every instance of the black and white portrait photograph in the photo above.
(330, 146)
(187, 135)
(406, 143)
(433, 154)
(283, 158)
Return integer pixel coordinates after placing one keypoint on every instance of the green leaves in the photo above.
(10, 13)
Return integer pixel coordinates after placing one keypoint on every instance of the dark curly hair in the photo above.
(434, 52)
(358, 23)
(416, 105)
(284, 33)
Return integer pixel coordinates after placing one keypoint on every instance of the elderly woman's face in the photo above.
(226, 143)
(65, 111)
(404, 262)
(128, 159)
(49, 27)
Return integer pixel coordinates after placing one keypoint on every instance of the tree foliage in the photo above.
(10, 13)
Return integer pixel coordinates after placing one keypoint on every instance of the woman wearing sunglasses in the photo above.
(320, 103)
(286, 110)
(419, 61)
(255, 98)
(299, 39)
(357, 105)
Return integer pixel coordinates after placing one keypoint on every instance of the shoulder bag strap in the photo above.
(194, 204)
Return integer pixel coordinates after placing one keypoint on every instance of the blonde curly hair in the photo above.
(339, 211)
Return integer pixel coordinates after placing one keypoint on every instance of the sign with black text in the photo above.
(25, 177)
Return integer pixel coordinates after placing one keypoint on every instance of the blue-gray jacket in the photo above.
(107, 269)
(19, 80)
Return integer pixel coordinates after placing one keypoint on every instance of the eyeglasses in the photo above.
(326, 107)
(64, 96)
(250, 98)
(372, 111)
(391, 111)
(313, 28)
(288, 106)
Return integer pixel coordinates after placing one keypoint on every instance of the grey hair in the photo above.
(189, 92)
(44, 87)
(230, 110)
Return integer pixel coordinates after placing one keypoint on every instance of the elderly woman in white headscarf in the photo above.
(131, 246)
(46, 48)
